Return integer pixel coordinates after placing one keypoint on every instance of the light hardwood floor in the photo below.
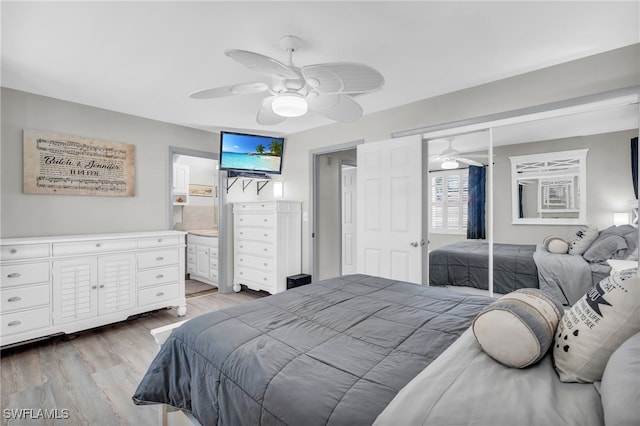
(93, 374)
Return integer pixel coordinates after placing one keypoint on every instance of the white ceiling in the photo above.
(144, 58)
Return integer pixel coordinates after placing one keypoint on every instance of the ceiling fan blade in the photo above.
(469, 162)
(344, 110)
(342, 77)
(262, 64)
(321, 101)
(235, 89)
(266, 116)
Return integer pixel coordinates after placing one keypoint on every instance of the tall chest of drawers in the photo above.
(267, 244)
(65, 284)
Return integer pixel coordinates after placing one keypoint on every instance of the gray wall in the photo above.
(595, 74)
(24, 215)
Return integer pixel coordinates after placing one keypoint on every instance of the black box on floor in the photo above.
(298, 280)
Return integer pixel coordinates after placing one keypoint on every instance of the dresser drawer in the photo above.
(158, 276)
(26, 273)
(264, 263)
(191, 268)
(152, 259)
(91, 247)
(255, 234)
(262, 278)
(250, 247)
(213, 252)
(26, 251)
(161, 241)
(24, 297)
(19, 322)
(213, 275)
(261, 206)
(191, 258)
(191, 249)
(263, 220)
(160, 294)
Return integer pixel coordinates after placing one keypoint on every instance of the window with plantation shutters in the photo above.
(449, 198)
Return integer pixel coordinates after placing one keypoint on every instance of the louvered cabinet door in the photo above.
(75, 289)
(116, 282)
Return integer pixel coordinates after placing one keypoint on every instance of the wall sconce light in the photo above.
(620, 219)
(278, 189)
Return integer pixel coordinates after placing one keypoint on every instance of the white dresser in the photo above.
(202, 258)
(64, 284)
(267, 244)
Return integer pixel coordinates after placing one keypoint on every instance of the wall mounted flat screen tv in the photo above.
(252, 153)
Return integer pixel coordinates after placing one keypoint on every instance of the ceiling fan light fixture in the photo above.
(449, 164)
(290, 105)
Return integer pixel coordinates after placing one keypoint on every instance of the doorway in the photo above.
(330, 246)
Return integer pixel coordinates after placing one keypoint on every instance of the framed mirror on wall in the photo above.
(549, 188)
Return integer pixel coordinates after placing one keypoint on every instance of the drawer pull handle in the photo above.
(265, 279)
(101, 285)
(160, 294)
(14, 299)
(12, 323)
(266, 264)
(265, 249)
(266, 220)
(159, 276)
(241, 233)
(241, 220)
(14, 275)
(13, 251)
(159, 258)
(98, 245)
(241, 273)
(94, 287)
(266, 235)
(159, 240)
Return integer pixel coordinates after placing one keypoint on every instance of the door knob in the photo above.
(414, 244)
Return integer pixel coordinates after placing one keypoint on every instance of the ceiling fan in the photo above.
(327, 89)
(451, 159)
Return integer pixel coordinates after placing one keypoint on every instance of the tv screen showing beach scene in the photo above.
(239, 151)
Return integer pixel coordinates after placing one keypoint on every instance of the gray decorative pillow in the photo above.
(620, 388)
(605, 247)
(517, 329)
(596, 325)
(582, 239)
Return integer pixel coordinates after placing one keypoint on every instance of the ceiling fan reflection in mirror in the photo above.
(327, 89)
(451, 159)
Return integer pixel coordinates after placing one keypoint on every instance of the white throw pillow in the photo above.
(595, 326)
(556, 245)
(620, 388)
(582, 239)
(517, 329)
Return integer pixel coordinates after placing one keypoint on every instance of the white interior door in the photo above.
(349, 209)
(389, 209)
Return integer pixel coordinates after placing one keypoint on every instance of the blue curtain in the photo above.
(476, 229)
(634, 165)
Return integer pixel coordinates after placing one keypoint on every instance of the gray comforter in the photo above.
(333, 352)
(465, 263)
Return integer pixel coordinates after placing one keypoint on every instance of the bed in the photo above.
(465, 263)
(338, 352)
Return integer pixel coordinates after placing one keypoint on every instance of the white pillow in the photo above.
(517, 329)
(596, 325)
(555, 245)
(620, 387)
(582, 239)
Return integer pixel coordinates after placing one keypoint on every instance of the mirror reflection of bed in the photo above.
(519, 258)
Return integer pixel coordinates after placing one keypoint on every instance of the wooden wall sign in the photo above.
(74, 165)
